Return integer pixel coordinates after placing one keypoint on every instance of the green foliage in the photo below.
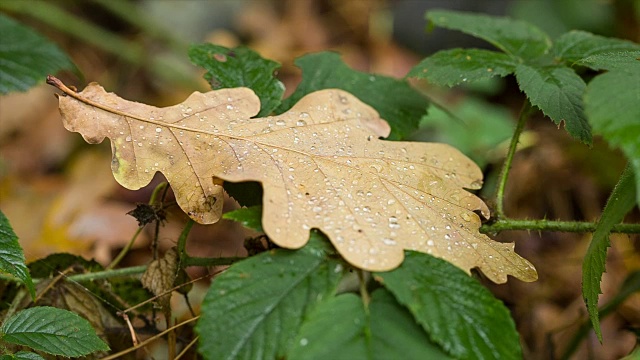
(240, 67)
(11, 256)
(26, 57)
(477, 129)
(259, 303)
(458, 313)
(557, 91)
(620, 202)
(395, 100)
(22, 355)
(250, 217)
(346, 328)
(612, 104)
(549, 83)
(51, 330)
(516, 38)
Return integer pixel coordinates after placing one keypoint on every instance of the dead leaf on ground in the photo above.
(321, 165)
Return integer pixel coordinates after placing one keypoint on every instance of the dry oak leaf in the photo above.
(321, 165)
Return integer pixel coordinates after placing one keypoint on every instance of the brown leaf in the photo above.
(161, 275)
(321, 165)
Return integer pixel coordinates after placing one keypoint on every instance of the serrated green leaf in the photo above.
(255, 308)
(457, 312)
(341, 329)
(456, 66)
(240, 67)
(611, 104)
(620, 202)
(26, 57)
(576, 45)
(515, 37)
(22, 355)
(12, 258)
(611, 61)
(396, 102)
(250, 217)
(557, 91)
(52, 330)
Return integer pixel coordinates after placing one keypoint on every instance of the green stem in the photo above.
(559, 226)
(125, 250)
(364, 294)
(182, 241)
(504, 174)
(107, 274)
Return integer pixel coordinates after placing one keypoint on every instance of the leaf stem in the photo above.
(504, 173)
(125, 250)
(550, 225)
(363, 289)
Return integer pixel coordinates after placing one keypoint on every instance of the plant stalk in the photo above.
(550, 225)
(506, 167)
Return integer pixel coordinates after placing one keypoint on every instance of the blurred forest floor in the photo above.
(60, 196)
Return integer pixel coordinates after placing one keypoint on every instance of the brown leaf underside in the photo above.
(321, 165)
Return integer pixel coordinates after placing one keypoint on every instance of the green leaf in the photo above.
(397, 102)
(340, 328)
(483, 128)
(250, 217)
(576, 45)
(457, 312)
(610, 61)
(255, 308)
(22, 355)
(240, 67)
(456, 66)
(11, 256)
(52, 330)
(557, 91)
(620, 202)
(26, 57)
(611, 104)
(514, 37)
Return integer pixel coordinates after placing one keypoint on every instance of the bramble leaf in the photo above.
(450, 313)
(240, 67)
(26, 57)
(557, 91)
(514, 37)
(456, 66)
(393, 99)
(576, 45)
(611, 101)
(321, 165)
(52, 330)
(610, 61)
(620, 202)
(385, 331)
(260, 319)
(12, 258)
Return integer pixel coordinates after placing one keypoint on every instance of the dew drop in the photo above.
(447, 237)
(430, 243)
(301, 123)
(281, 122)
(158, 130)
(139, 144)
(465, 217)
(304, 342)
(389, 242)
(128, 138)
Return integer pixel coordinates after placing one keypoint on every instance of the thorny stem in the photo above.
(108, 274)
(550, 225)
(504, 174)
